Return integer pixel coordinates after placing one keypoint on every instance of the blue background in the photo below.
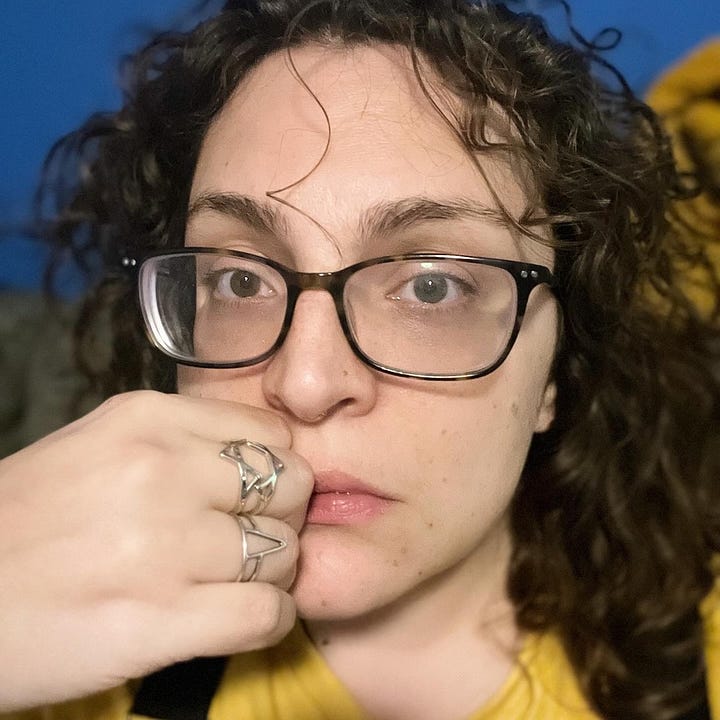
(59, 64)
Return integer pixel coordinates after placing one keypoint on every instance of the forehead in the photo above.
(339, 129)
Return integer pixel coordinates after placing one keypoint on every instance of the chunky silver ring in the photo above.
(257, 485)
(273, 544)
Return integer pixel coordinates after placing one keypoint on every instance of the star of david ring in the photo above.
(251, 561)
(258, 471)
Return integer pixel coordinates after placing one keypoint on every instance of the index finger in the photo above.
(220, 420)
(270, 481)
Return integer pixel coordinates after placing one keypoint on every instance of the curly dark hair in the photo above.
(616, 519)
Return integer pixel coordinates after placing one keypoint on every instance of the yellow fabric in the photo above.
(292, 682)
(687, 98)
(710, 611)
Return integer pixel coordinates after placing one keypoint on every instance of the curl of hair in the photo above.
(616, 518)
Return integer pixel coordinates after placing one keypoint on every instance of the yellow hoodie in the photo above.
(687, 98)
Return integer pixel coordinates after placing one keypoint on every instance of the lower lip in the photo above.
(339, 508)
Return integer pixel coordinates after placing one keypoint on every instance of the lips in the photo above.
(341, 499)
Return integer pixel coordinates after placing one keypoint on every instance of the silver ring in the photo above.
(257, 486)
(273, 544)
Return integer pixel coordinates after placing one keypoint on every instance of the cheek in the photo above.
(187, 381)
(479, 433)
(198, 383)
(470, 456)
(467, 464)
(241, 385)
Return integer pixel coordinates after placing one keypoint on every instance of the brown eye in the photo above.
(243, 283)
(238, 283)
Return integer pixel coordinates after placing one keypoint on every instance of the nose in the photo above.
(315, 373)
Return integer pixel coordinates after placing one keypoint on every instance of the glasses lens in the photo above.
(212, 307)
(434, 317)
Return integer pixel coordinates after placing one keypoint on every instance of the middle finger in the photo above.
(214, 550)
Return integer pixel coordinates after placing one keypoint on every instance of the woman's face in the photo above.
(445, 457)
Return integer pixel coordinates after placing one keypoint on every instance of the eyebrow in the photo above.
(389, 217)
(379, 220)
(259, 215)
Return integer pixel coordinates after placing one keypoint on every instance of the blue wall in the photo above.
(59, 60)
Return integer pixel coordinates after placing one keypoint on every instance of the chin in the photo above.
(330, 606)
(341, 579)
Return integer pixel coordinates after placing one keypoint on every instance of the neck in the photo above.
(456, 631)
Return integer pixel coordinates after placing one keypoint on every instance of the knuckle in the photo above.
(286, 618)
(132, 552)
(145, 466)
(267, 608)
(268, 427)
(143, 562)
(137, 404)
(304, 476)
(293, 545)
(276, 426)
(282, 437)
(124, 399)
(115, 401)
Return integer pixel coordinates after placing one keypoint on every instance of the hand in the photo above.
(119, 552)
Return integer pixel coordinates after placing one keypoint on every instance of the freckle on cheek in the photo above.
(430, 526)
(514, 409)
(396, 563)
(403, 551)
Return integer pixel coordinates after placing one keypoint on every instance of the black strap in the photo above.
(180, 692)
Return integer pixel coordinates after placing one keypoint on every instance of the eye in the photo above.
(239, 282)
(234, 283)
(431, 288)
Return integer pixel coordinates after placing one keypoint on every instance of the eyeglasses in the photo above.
(424, 315)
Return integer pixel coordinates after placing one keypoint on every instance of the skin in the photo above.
(123, 558)
(423, 581)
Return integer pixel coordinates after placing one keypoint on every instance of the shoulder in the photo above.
(543, 686)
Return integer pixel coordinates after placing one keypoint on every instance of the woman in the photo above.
(410, 269)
